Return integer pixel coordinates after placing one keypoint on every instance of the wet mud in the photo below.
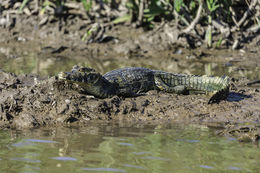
(29, 101)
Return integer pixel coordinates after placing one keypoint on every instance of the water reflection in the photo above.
(22, 144)
(133, 166)
(25, 160)
(40, 141)
(206, 166)
(104, 169)
(113, 148)
(64, 158)
(48, 64)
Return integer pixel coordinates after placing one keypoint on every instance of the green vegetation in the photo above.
(87, 4)
(23, 4)
(212, 6)
(215, 17)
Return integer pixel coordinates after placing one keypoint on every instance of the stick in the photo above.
(246, 14)
(141, 11)
(224, 29)
(196, 20)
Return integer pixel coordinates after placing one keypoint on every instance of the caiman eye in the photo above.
(67, 76)
(94, 77)
(90, 78)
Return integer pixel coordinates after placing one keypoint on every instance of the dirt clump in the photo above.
(244, 133)
(26, 103)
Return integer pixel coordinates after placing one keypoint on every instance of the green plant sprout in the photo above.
(212, 6)
(87, 4)
(45, 5)
(23, 5)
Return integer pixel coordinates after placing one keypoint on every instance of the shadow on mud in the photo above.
(236, 97)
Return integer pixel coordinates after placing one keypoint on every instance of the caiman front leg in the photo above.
(130, 92)
(162, 86)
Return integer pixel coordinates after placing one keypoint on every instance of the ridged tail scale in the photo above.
(218, 86)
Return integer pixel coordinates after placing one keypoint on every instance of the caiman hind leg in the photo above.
(162, 86)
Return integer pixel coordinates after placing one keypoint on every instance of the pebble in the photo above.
(67, 101)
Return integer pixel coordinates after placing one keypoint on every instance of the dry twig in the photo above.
(246, 14)
(141, 11)
(196, 20)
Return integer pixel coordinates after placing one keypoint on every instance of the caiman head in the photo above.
(90, 78)
(80, 75)
(90, 82)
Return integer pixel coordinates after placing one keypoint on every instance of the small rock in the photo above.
(21, 39)
(67, 101)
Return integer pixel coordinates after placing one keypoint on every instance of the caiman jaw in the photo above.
(62, 76)
(89, 78)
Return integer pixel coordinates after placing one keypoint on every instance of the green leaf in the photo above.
(122, 19)
(150, 19)
(215, 7)
(178, 4)
(192, 5)
(87, 4)
(129, 5)
(46, 4)
(209, 5)
(23, 5)
(218, 44)
(212, 5)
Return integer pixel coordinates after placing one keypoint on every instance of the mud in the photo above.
(29, 101)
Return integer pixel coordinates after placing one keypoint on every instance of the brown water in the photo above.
(111, 148)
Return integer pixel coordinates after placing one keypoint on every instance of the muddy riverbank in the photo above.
(28, 103)
(33, 51)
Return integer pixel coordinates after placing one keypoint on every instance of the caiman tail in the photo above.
(218, 87)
